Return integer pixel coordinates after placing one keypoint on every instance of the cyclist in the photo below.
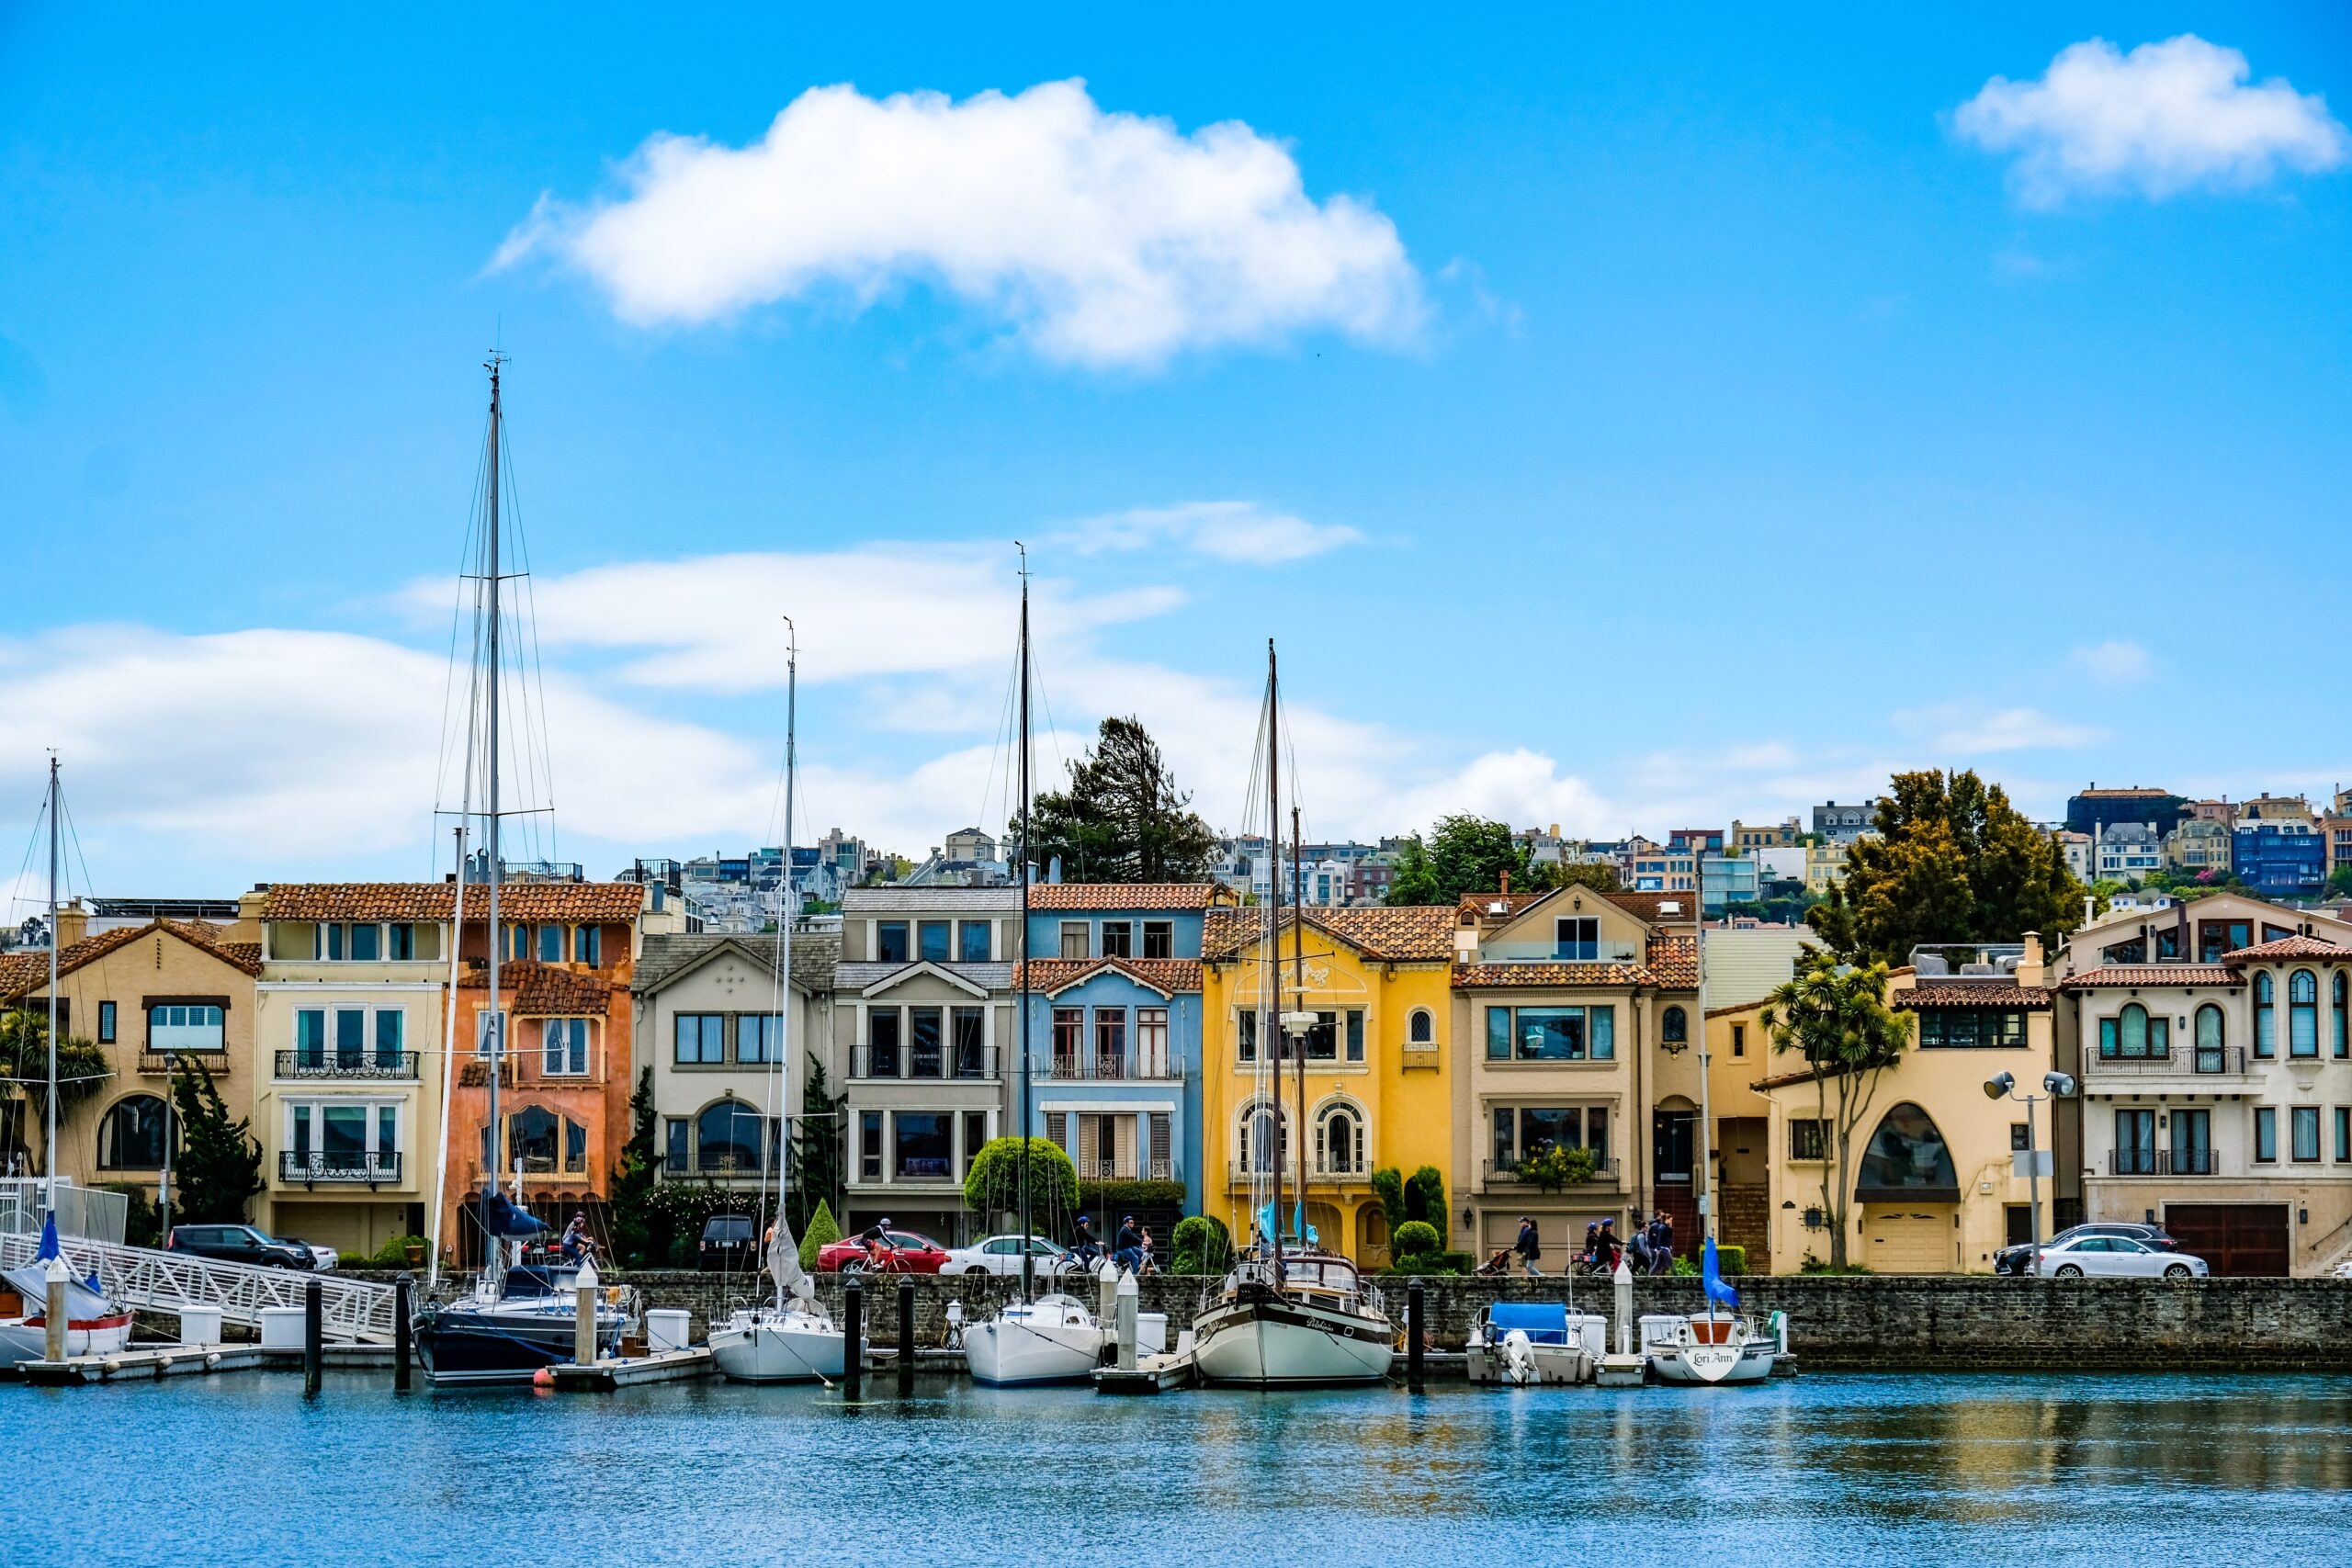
(1083, 1245)
(878, 1245)
(1128, 1253)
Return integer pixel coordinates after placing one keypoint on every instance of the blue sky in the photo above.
(1625, 425)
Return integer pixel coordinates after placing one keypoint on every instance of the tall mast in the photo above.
(495, 1039)
(1020, 996)
(49, 1138)
(1298, 1002)
(1270, 1039)
(785, 918)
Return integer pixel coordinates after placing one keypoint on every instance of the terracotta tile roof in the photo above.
(1124, 895)
(1407, 934)
(1495, 905)
(1485, 976)
(1052, 975)
(589, 901)
(23, 971)
(544, 990)
(1674, 963)
(2154, 975)
(244, 955)
(2297, 946)
(1646, 907)
(1964, 994)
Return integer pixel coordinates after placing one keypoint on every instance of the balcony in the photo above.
(1239, 1171)
(1506, 1172)
(2224, 1062)
(542, 1169)
(398, 1065)
(526, 1069)
(2160, 1162)
(1131, 1170)
(1560, 953)
(161, 1064)
(1109, 1067)
(678, 1167)
(316, 1168)
(908, 1065)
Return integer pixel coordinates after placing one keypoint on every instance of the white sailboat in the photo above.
(1055, 1339)
(1288, 1314)
(790, 1340)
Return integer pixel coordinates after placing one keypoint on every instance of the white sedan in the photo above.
(1002, 1255)
(2116, 1257)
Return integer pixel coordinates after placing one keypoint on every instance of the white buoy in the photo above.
(584, 1329)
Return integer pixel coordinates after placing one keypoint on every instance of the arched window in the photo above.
(132, 1136)
(727, 1137)
(2133, 1033)
(1422, 1029)
(2211, 1039)
(2302, 1014)
(1264, 1137)
(1338, 1143)
(2265, 1023)
(1673, 1028)
(531, 1139)
(1907, 1161)
(2343, 996)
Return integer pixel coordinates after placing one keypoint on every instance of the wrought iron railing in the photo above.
(397, 1065)
(313, 1167)
(2227, 1061)
(1603, 1171)
(164, 1061)
(1116, 1066)
(974, 1064)
(2161, 1162)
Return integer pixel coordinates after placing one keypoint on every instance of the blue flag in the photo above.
(1710, 1275)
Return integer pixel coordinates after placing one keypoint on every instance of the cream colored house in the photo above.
(1933, 1186)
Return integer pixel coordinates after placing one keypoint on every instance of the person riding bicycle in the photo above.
(1083, 1245)
(878, 1245)
(1128, 1252)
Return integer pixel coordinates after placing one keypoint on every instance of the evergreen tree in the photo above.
(1121, 819)
(1836, 1016)
(1953, 862)
(819, 1143)
(218, 1167)
(633, 1182)
(1462, 854)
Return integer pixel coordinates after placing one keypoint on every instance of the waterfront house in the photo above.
(1933, 1187)
(148, 996)
(1378, 1062)
(713, 1025)
(1113, 986)
(1560, 1000)
(2214, 1041)
(922, 1026)
(349, 1012)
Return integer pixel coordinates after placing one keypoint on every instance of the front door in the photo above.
(1671, 1144)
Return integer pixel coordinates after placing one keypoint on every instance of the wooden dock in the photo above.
(631, 1371)
(1150, 1375)
(148, 1361)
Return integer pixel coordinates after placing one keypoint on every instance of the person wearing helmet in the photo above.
(876, 1237)
(1082, 1244)
(1128, 1252)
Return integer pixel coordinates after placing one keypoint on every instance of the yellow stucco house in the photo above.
(1379, 1063)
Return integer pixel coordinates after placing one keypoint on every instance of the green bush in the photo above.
(1552, 1167)
(1425, 1201)
(1389, 1187)
(1415, 1238)
(393, 1254)
(1202, 1246)
(1813, 1265)
(1433, 1263)
(1731, 1260)
(823, 1231)
(994, 1187)
(1116, 1198)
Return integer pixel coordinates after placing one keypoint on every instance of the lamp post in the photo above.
(2055, 1086)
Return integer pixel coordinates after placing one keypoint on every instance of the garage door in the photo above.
(1906, 1240)
(2234, 1239)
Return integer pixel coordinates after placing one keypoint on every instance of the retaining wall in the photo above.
(1897, 1322)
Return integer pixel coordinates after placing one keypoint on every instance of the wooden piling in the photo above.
(313, 1339)
(400, 1347)
(1413, 1346)
(853, 1340)
(906, 1337)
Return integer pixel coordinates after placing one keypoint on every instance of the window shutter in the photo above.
(1123, 1134)
(1159, 1130)
(1058, 1129)
(1090, 1142)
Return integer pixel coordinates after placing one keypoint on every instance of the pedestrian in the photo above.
(1638, 1246)
(1590, 1258)
(1661, 1244)
(1528, 1246)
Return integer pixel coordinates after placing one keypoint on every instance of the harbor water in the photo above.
(1911, 1469)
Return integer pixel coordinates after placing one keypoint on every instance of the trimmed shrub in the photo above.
(1415, 1238)
(823, 1231)
(1202, 1246)
(994, 1185)
(1425, 1201)
(1434, 1263)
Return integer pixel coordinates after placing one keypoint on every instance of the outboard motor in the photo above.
(1519, 1358)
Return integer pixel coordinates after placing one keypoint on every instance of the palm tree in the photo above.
(1837, 1015)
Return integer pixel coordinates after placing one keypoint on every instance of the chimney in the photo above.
(1506, 884)
(73, 924)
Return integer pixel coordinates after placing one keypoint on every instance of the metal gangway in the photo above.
(139, 1276)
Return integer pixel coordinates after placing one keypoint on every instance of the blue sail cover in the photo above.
(1303, 1235)
(1710, 1272)
(499, 1217)
(85, 1299)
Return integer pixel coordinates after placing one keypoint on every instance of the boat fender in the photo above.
(212, 1358)
(543, 1377)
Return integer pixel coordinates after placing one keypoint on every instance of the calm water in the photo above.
(1909, 1470)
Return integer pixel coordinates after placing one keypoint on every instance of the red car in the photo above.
(916, 1255)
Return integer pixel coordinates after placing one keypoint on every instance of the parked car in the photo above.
(916, 1255)
(2116, 1257)
(727, 1242)
(240, 1244)
(321, 1258)
(1002, 1255)
(2019, 1259)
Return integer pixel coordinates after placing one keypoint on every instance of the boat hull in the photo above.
(1258, 1340)
(1025, 1348)
(1698, 1365)
(794, 1348)
(478, 1345)
(27, 1338)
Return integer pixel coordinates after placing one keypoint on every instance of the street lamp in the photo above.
(2055, 1086)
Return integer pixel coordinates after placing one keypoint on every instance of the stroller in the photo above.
(1496, 1263)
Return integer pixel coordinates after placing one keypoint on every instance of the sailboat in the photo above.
(1031, 1341)
(1287, 1316)
(790, 1340)
(516, 1321)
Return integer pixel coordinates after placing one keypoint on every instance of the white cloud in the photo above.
(1102, 239)
(2166, 117)
(1971, 733)
(2116, 661)
(1223, 530)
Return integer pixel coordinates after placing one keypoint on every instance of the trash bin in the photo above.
(281, 1328)
(667, 1328)
(202, 1325)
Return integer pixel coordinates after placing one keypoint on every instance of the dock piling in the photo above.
(53, 1315)
(402, 1288)
(906, 1337)
(853, 1340)
(583, 1324)
(1413, 1338)
(1130, 1310)
(313, 1339)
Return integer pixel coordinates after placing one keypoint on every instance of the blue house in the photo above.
(1114, 979)
(2279, 859)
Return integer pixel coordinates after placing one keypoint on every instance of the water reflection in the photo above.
(1910, 1468)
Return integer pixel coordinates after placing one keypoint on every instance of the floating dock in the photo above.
(629, 1372)
(148, 1361)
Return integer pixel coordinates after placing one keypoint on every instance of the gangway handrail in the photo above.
(169, 1282)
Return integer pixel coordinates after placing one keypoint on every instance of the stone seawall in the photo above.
(1883, 1322)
